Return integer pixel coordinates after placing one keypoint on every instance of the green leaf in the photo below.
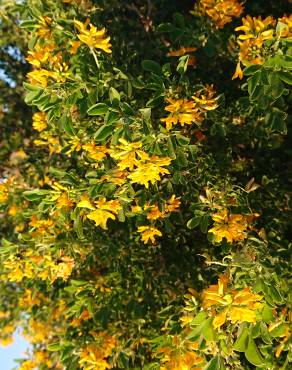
(252, 83)
(99, 109)
(215, 363)
(267, 313)
(183, 64)
(241, 342)
(103, 132)
(285, 77)
(36, 194)
(114, 95)
(201, 317)
(66, 124)
(253, 354)
(193, 222)
(170, 148)
(127, 109)
(265, 335)
(250, 70)
(145, 113)
(32, 95)
(208, 330)
(151, 66)
(78, 226)
(256, 330)
(28, 24)
(158, 100)
(53, 347)
(30, 87)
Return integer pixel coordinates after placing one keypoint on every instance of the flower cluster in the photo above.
(233, 227)
(92, 37)
(234, 305)
(95, 356)
(252, 41)
(186, 112)
(32, 266)
(221, 12)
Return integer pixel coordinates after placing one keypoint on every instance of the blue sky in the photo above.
(11, 352)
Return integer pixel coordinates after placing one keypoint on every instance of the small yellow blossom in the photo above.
(92, 37)
(238, 72)
(148, 233)
(39, 121)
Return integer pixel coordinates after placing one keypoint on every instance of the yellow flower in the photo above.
(44, 27)
(150, 171)
(238, 305)
(39, 77)
(27, 300)
(52, 142)
(155, 213)
(172, 204)
(94, 356)
(205, 99)
(115, 176)
(39, 121)
(149, 233)
(180, 52)
(285, 21)
(105, 210)
(220, 11)
(76, 145)
(64, 201)
(183, 112)
(28, 365)
(180, 355)
(85, 203)
(62, 269)
(74, 46)
(238, 72)
(41, 54)
(128, 154)
(6, 341)
(92, 37)
(256, 27)
(255, 32)
(94, 151)
(233, 227)
(4, 193)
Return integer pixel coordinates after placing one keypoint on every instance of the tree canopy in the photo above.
(145, 183)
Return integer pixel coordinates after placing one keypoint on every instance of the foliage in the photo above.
(145, 190)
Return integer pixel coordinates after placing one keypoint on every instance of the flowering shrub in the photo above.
(144, 195)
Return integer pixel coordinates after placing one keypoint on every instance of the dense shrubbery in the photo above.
(144, 191)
